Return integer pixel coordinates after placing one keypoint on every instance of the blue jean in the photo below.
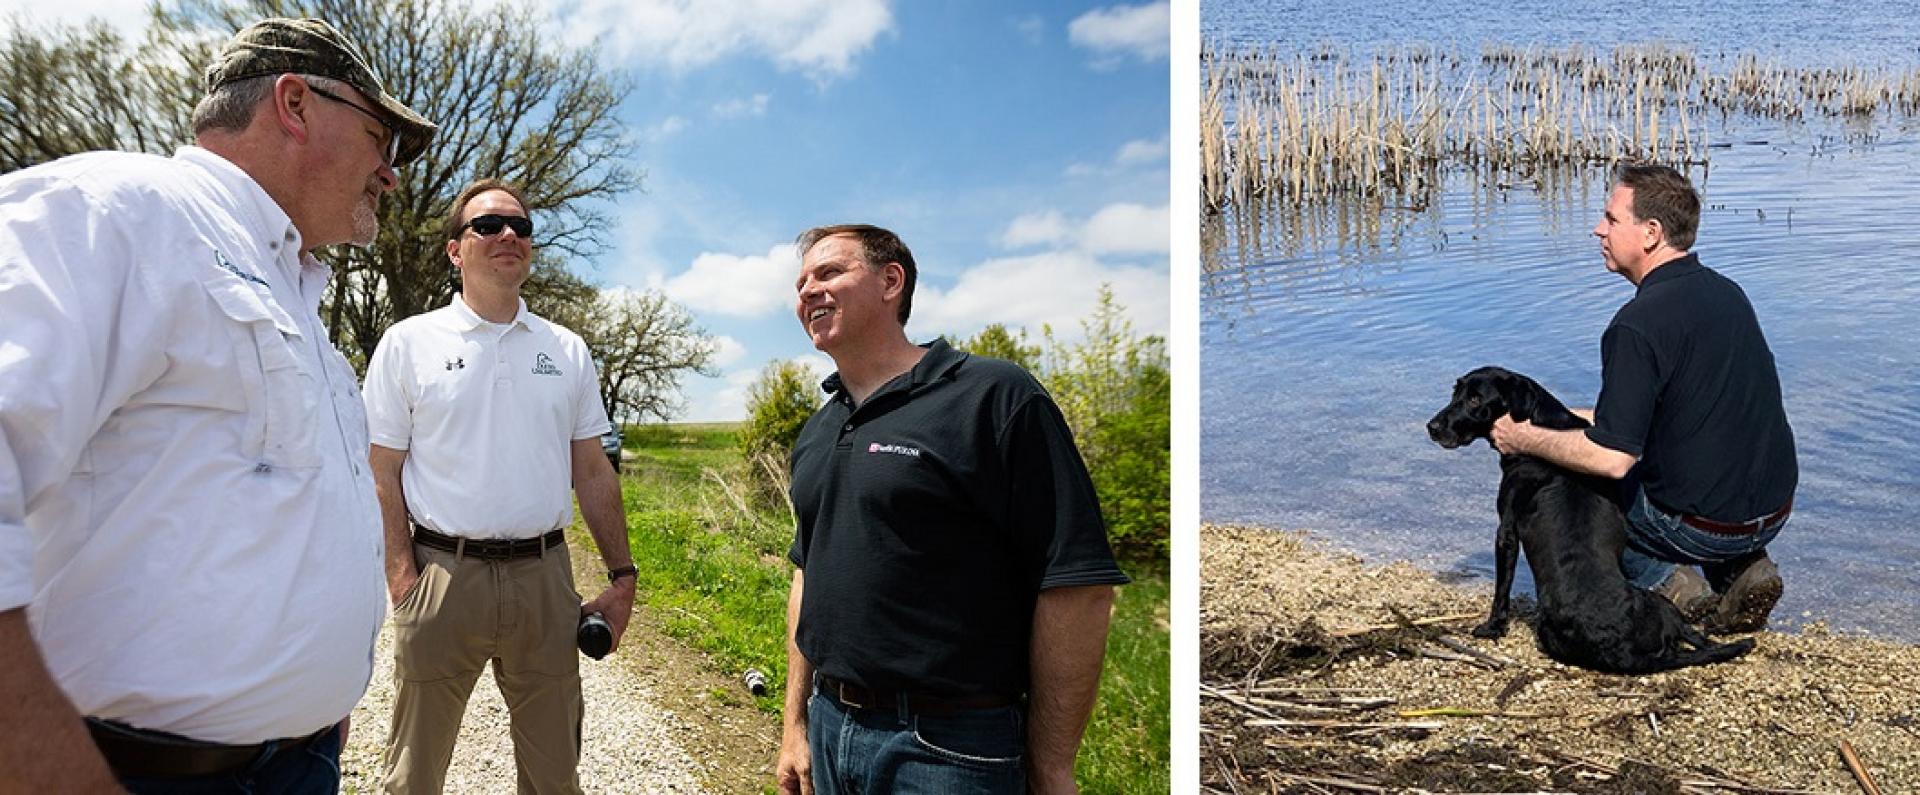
(889, 749)
(310, 770)
(1657, 541)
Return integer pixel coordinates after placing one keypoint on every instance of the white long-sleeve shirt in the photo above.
(185, 507)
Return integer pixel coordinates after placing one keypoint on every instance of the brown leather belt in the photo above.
(138, 753)
(857, 697)
(1746, 528)
(489, 548)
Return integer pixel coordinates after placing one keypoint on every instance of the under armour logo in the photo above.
(543, 365)
(457, 364)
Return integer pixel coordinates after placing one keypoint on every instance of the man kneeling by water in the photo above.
(1689, 417)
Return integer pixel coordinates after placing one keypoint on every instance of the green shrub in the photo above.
(778, 405)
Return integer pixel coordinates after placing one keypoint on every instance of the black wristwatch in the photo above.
(614, 575)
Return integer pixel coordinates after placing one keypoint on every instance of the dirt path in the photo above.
(1313, 681)
(658, 720)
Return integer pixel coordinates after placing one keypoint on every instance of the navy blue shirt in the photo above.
(1688, 384)
(930, 518)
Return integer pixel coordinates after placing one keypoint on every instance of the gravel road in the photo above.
(632, 741)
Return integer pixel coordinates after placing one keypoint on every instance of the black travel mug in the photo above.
(595, 636)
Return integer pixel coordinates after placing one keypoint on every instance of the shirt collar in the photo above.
(939, 360)
(1671, 269)
(263, 216)
(467, 320)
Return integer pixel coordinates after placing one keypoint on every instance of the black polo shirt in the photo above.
(1688, 384)
(929, 520)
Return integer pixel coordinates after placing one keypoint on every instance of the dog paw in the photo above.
(1491, 630)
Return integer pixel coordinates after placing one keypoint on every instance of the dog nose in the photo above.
(1433, 425)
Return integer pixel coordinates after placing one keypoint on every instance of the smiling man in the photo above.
(949, 613)
(1689, 416)
(189, 539)
(482, 416)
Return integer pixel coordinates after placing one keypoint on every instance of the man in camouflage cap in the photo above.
(191, 573)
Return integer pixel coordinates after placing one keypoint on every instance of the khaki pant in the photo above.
(521, 614)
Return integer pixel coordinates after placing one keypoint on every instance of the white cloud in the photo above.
(747, 106)
(1114, 229)
(1132, 155)
(731, 284)
(129, 17)
(1127, 229)
(1135, 153)
(818, 37)
(1031, 27)
(664, 129)
(729, 402)
(1034, 229)
(727, 351)
(1141, 31)
(1003, 291)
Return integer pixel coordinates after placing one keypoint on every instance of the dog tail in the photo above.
(1712, 653)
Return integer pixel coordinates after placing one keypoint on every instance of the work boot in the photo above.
(1750, 597)
(1687, 590)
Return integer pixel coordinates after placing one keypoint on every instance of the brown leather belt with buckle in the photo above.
(857, 697)
(137, 753)
(1746, 528)
(489, 548)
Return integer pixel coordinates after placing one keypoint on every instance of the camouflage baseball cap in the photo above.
(313, 47)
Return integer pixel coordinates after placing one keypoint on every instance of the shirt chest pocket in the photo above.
(282, 399)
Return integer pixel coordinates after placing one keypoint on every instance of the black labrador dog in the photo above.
(1573, 533)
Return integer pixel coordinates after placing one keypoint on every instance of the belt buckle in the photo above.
(840, 692)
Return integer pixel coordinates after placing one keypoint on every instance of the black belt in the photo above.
(857, 697)
(490, 548)
(137, 753)
(1746, 528)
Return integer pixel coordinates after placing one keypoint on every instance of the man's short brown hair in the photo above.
(454, 225)
(877, 248)
(1663, 194)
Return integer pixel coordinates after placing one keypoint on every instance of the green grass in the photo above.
(717, 576)
(1126, 747)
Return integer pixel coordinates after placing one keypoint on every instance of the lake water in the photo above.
(1330, 334)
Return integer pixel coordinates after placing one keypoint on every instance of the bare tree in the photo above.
(75, 89)
(510, 103)
(643, 344)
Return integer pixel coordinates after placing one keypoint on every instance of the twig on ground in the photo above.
(1494, 660)
(1283, 723)
(1513, 688)
(1430, 650)
(1470, 712)
(1859, 770)
(1689, 780)
(1416, 622)
(1347, 785)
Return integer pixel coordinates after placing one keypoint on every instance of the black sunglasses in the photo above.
(393, 135)
(490, 224)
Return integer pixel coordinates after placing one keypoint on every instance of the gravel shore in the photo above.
(1323, 673)
(638, 737)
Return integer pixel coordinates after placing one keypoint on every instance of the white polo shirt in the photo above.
(185, 507)
(487, 414)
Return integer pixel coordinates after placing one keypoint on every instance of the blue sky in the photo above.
(1020, 150)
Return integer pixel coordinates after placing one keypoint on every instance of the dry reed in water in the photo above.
(1322, 124)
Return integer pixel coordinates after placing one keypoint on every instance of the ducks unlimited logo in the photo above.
(895, 449)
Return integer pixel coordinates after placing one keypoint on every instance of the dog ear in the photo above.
(1518, 392)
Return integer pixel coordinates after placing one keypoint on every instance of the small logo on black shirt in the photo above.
(896, 449)
(543, 365)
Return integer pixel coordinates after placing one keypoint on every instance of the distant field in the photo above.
(713, 565)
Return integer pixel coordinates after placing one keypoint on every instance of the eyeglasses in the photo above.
(393, 135)
(490, 224)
